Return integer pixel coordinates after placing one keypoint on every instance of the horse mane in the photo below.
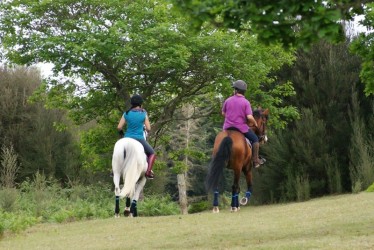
(257, 113)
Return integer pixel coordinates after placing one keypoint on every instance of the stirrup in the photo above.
(256, 164)
(150, 175)
(262, 160)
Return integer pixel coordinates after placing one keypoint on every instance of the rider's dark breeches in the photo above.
(251, 136)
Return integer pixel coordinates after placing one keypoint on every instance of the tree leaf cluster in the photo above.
(292, 23)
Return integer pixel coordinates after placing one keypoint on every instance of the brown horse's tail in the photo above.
(218, 163)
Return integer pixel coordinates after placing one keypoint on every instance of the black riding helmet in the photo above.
(136, 100)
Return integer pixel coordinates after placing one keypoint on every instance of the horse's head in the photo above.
(261, 117)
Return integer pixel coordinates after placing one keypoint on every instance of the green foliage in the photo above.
(370, 188)
(356, 186)
(302, 187)
(42, 200)
(9, 166)
(363, 45)
(317, 146)
(16, 222)
(361, 168)
(197, 207)
(8, 198)
(158, 205)
(299, 23)
(152, 53)
(30, 129)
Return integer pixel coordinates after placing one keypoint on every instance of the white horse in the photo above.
(130, 161)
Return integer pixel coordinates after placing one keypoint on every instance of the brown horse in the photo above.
(232, 150)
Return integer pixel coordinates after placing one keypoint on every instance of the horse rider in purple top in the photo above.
(237, 111)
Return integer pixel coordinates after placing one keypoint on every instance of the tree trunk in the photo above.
(182, 188)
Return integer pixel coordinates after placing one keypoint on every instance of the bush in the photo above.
(8, 197)
(158, 205)
(370, 188)
(198, 207)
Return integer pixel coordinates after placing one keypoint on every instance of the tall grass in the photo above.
(42, 200)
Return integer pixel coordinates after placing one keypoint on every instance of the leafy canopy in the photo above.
(293, 23)
(117, 48)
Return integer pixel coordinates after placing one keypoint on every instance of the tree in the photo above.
(364, 47)
(118, 48)
(292, 23)
(31, 129)
(314, 151)
(299, 23)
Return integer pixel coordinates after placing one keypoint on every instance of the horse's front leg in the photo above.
(248, 193)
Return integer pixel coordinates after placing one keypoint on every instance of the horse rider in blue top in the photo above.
(136, 119)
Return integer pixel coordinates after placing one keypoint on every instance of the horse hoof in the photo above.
(234, 209)
(126, 212)
(116, 216)
(215, 210)
(244, 201)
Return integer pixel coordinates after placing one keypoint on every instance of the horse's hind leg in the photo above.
(235, 192)
(139, 187)
(116, 179)
(116, 209)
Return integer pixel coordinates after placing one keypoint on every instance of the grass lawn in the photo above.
(333, 222)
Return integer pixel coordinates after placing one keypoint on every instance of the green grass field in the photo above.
(334, 222)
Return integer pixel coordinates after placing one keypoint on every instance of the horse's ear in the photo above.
(265, 112)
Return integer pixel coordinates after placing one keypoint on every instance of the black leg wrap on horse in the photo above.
(134, 209)
(215, 198)
(116, 209)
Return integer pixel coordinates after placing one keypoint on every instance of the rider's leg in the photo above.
(252, 137)
(151, 158)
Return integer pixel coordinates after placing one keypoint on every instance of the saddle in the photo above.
(245, 138)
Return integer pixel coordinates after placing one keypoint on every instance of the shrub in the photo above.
(357, 187)
(8, 197)
(157, 205)
(370, 188)
(198, 207)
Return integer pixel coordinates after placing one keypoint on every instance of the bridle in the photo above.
(260, 131)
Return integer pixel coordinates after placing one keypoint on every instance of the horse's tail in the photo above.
(218, 163)
(134, 166)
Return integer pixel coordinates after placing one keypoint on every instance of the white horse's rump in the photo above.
(129, 160)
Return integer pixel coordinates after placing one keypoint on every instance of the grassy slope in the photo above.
(334, 222)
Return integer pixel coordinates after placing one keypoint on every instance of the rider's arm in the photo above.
(121, 123)
(147, 124)
(251, 120)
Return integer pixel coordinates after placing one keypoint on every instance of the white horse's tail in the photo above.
(130, 158)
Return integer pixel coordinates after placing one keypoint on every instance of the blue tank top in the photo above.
(135, 121)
